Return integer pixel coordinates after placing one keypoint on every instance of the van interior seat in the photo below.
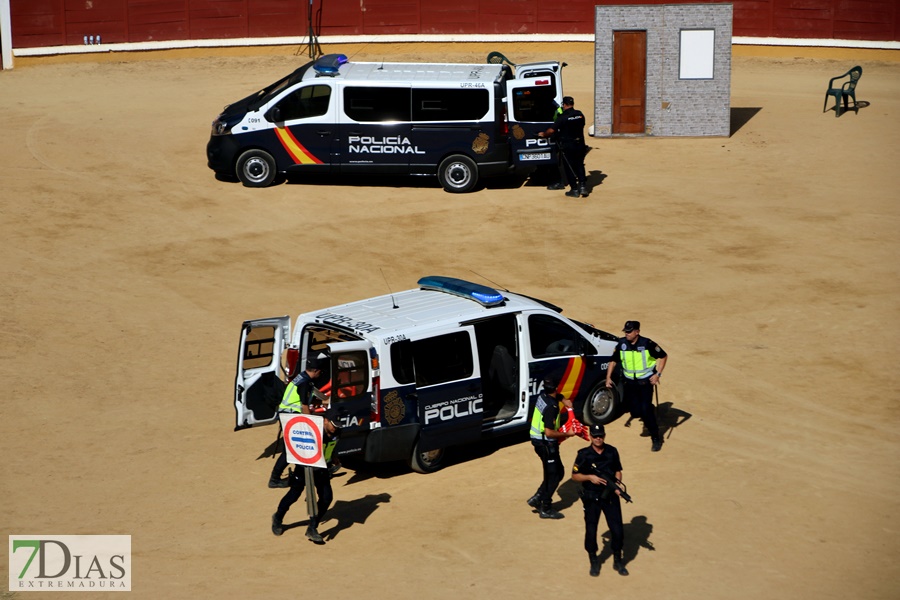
(503, 369)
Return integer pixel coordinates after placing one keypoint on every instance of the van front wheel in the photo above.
(256, 168)
(602, 405)
(458, 174)
(426, 462)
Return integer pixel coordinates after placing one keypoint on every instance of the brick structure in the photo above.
(674, 105)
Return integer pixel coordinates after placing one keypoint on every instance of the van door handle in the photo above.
(324, 132)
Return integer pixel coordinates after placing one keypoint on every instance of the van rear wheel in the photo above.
(426, 462)
(458, 174)
(602, 405)
(256, 168)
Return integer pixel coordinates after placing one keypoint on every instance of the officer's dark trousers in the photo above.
(613, 511)
(553, 471)
(281, 464)
(573, 163)
(322, 480)
(640, 399)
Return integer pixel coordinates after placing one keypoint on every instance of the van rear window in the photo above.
(535, 104)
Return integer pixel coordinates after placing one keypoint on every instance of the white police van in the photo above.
(416, 372)
(460, 122)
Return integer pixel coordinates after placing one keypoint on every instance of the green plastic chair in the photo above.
(843, 91)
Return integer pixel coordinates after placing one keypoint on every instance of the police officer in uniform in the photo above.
(642, 363)
(296, 400)
(569, 131)
(593, 468)
(321, 480)
(545, 436)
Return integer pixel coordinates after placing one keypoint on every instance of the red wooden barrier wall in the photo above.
(37, 23)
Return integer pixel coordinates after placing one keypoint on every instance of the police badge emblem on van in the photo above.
(480, 145)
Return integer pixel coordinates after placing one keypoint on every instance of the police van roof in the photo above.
(390, 314)
(422, 72)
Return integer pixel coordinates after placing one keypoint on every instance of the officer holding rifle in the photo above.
(599, 470)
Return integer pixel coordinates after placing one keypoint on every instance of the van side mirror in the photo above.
(274, 115)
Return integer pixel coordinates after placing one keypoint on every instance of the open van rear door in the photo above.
(258, 387)
(351, 392)
(531, 108)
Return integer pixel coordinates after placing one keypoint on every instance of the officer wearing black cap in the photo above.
(569, 132)
(594, 467)
(642, 363)
(545, 436)
(296, 399)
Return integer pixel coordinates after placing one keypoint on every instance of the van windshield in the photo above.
(257, 99)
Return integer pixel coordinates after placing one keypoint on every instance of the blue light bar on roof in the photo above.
(329, 64)
(481, 294)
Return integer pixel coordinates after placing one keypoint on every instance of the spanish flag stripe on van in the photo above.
(571, 379)
(301, 155)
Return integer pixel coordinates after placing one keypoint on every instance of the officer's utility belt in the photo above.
(596, 495)
(542, 442)
(645, 381)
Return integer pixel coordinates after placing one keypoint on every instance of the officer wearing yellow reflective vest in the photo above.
(642, 363)
(296, 396)
(322, 481)
(545, 436)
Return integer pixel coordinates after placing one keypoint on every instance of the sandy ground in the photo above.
(765, 263)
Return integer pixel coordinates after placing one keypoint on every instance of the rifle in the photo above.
(613, 484)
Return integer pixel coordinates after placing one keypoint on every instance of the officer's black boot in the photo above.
(546, 512)
(595, 564)
(657, 443)
(312, 533)
(277, 527)
(534, 501)
(619, 564)
(279, 483)
(583, 191)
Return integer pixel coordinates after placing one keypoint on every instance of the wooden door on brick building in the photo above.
(629, 81)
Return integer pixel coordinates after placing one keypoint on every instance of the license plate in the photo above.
(535, 156)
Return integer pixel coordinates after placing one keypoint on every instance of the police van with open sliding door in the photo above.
(461, 122)
(416, 372)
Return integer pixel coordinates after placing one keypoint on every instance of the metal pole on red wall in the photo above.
(6, 35)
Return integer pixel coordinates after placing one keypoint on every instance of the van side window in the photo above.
(534, 104)
(449, 104)
(377, 104)
(433, 360)
(443, 358)
(402, 362)
(552, 337)
(309, 101)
